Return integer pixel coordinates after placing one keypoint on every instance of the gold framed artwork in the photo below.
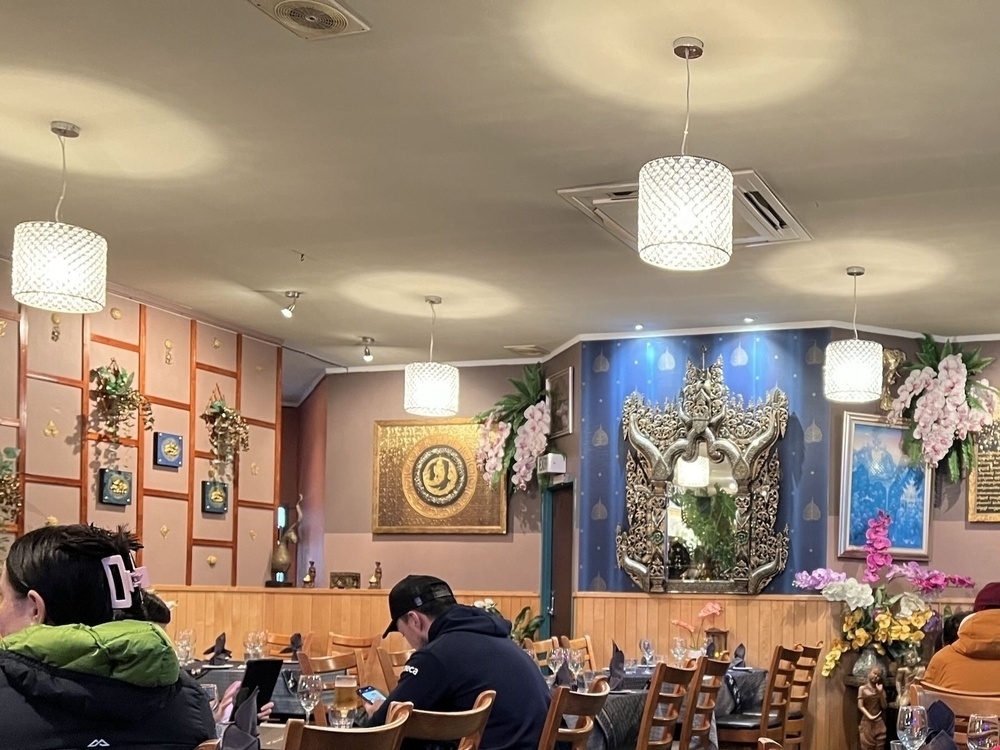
(425, 480)
(984, 478)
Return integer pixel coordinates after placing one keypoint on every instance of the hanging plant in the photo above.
(11, 500)
(118, 401)
(228, 432)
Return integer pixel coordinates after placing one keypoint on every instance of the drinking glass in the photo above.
(576, 660)
(984, 732)
(184, 646)
(253, 645)
(911, 726)
(678, 650)
(556, 659)
(646, 647)
(309, 692)
(345, 700)
(212, 693)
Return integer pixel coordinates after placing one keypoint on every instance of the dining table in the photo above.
(286, 704)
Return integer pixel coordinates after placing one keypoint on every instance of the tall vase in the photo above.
(867, 659)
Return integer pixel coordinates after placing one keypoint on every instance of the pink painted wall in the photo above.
(312, 477)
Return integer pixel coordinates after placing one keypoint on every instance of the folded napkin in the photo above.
(564, 677)
(616, 670)
(294, 646)
(941, 723)
(739, 657)
(220, 654)
(710, 649)
(242, 733)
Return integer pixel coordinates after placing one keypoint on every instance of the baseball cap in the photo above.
(414, 592)
(988, 598)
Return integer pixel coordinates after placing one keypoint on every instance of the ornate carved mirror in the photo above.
(702, 489)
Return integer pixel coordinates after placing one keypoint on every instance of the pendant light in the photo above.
(367, 342)
(289, 310)
(852, 372)
(431, 388)
(686, 202)
(56, 266)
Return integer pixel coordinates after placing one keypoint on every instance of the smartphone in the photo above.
(370, 694)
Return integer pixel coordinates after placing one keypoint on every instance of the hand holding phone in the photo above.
(370, 694)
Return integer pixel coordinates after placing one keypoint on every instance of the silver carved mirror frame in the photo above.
(745, 435)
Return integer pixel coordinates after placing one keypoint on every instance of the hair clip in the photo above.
(122, 581)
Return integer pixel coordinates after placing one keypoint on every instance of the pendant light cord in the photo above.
(62, 195)
(687, 100)
(854, 323)
(433, 321)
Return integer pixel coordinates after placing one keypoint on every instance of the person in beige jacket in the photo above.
(972, 663)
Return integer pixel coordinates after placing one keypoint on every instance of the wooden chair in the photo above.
(798, 699)
(584, 643)
(700, 707)
(963, 704)
(746, 728)
(340, 644)
(541, 649)
(208, 745)
(277, 642)
(584, 706)
(466, 727)
(392, 663)
(661, 722)
(388, 737)
(327, 667)
(765, 744)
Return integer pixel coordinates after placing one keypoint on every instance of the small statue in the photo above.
(309, 579)
(375, 582)
(872, 704)
(907, 673)
(281, 557)
(892, 360)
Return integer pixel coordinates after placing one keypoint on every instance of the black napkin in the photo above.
(220, 654)
(739, 657)
(242, 734)
(710, 650)
(616, 670)
(941, 722)
(564, 677)
(294, 646)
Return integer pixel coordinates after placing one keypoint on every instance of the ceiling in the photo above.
(218, 149)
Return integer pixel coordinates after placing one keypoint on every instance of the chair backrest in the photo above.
(541, 649)
(963, 704)
(765, 743)
(327, 667)
(208, 745)
(657, 726)
(387, 737)
(277, 642)
(339, 644)
(584, 643)
(584, 706)
(464, 726)
(700, 706)
(392, 663)
(805, 671)
(777, 692)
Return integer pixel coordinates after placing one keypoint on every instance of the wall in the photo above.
(311, 473)
(481, 562)
(45, 409)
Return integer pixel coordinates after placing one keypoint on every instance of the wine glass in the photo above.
(984, 732)
(911, 726)
(309, 692)
(212, 693)
(678, 650)
(646, 646)
(557, 657)
(184, 646)
(345, 700)
(576, 660)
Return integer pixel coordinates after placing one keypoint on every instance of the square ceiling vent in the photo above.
(759, 216)
(313, 19)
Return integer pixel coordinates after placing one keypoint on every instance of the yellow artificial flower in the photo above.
(832, 657)
(919, 619)
(861, 638)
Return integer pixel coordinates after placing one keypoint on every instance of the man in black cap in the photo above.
(460, 652)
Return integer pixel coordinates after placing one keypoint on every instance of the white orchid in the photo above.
(855, 595)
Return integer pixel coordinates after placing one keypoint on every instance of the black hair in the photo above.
(63, 565)
(435, 608)
(949, 630)
(154, 609)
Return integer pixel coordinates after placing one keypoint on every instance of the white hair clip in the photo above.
(122, 582)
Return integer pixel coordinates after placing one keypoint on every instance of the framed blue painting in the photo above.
(114, 486)
(214, 497)
(877, 475)
(168, 450)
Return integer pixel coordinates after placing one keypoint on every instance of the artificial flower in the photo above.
(683, 625)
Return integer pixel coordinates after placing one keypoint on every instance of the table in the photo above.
(286, 705)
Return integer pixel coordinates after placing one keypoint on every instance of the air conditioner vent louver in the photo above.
(759, 216)
(313, 19)
(526, 350)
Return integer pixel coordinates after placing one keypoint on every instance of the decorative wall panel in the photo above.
(168, 355)
(254, 541)
(55, 349)
(119, 320)
(217, 526)
(103, 514)
(216, 347)
(101, 356)
(42, 501)
(257, 466)
(164, 535)
(8, 436)
(10, 346)
(211, 566)
(54, 430)
(205, 383)
(163, 478)
(7, 303)
(258, 374)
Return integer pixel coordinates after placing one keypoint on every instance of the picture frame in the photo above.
(560, 401)
(214, 497)
(342, 580)
(168, 450)
(114, 487)
(425, 480)
(877, 475)
(983, 495)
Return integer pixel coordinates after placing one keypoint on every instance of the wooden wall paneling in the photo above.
(62, 357)
(164, 523)
(112, 516)
(7, 302)
(193, 421)
(22, 401)
(216, 526)
(256, 466)
(168, 381)
(234, 507)
(204, 384)
(100, 356)
(277, 446)
(259, 398)
(53, 429)
(203, 572)
(166, 478)
(84, 417)
(124, 327)
(10, 356)
(253, 549)
(44, 500)
(216, 348)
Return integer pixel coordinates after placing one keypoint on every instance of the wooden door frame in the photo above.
(545, 592)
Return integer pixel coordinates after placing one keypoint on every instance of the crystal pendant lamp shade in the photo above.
(431, 389)
(685, 213)
(59, 267)
(852, 372)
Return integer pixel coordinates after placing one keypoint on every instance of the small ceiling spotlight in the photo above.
(368, 342)
(748, 319)
(289, 311)
(639, 326)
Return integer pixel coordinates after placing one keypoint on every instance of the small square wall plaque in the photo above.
(214, 497)
(168, 450)
(115, 487)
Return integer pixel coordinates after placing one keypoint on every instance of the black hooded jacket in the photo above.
(469, 651)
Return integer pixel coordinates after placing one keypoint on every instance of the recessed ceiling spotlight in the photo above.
(368, 342)
(639, 326)
(289, 311)
(748, 319)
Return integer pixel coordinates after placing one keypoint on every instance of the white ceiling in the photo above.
(423, 158)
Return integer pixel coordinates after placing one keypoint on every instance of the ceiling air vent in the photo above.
(312, 19)
(526, 350)
(759, 216)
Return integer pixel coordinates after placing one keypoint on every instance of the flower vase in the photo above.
(867, 659)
